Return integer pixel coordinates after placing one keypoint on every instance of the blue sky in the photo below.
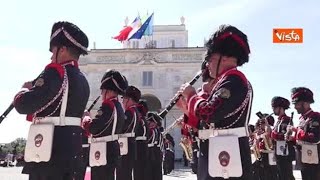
(273, 68)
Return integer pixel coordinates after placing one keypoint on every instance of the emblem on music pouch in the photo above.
(309, 152)
(224, 158)
(38, 140)
(121, 144)
(97, 155)
(274, 159)
(281, 148)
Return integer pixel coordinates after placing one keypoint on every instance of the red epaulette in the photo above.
(277, 136)
(109, 102)
(237, 73)
(57, 67)
(315, 115)
(286, 118)
(131, 109)
(29, 117)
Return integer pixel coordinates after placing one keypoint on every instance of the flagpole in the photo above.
(146, 38)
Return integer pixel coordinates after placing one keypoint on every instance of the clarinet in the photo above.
(175, 99)
(94, 103)
(11, 106)
(287, 134)
(6, 112)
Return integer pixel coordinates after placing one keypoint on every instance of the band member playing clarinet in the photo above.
(192, 132)
(168, 162)
(55, 104)
(154, 156)
(85, 146)
(285, 152)
(307, 134)
(106, 127)
(224, 115)
(141, 140)
(130, 101)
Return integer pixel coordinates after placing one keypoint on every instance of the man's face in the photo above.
(54, 51)
(125, 102)
(103, 92)
(276, 110)
(152, 124)
(300, 107)
(57, 54)
(212, 64)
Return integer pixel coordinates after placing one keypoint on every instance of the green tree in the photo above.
(18, 146)
(15, 147)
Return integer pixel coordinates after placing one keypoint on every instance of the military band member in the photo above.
(168, 163)
(189, 138)
(228, 107)
(141, 141)
(60, 92)
(285, 152)
(106, 127)
(185, 140)
(195, 149)
(307, 134)
(251, 129)
(154, 156)
(206, 87)
(85, 147)
(159, 149)
(267, 163)
(252, 141)
(188, 131)
(130, 101)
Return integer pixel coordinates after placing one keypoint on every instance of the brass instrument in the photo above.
(263, 117)
(267, 130)
(268, 141)
(255, 149)
(186, 145)
(173, 125)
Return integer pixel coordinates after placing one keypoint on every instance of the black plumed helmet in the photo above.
(278, 101)
(229, 41)
(133, 92)
(114, 80)
(64, 33)
(301, 94)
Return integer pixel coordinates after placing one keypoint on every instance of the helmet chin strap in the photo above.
(218, 66)
(58, 49)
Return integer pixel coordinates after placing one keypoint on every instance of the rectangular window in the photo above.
(135, 44)
(147, 77)
(154, 44)
(173, 43)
